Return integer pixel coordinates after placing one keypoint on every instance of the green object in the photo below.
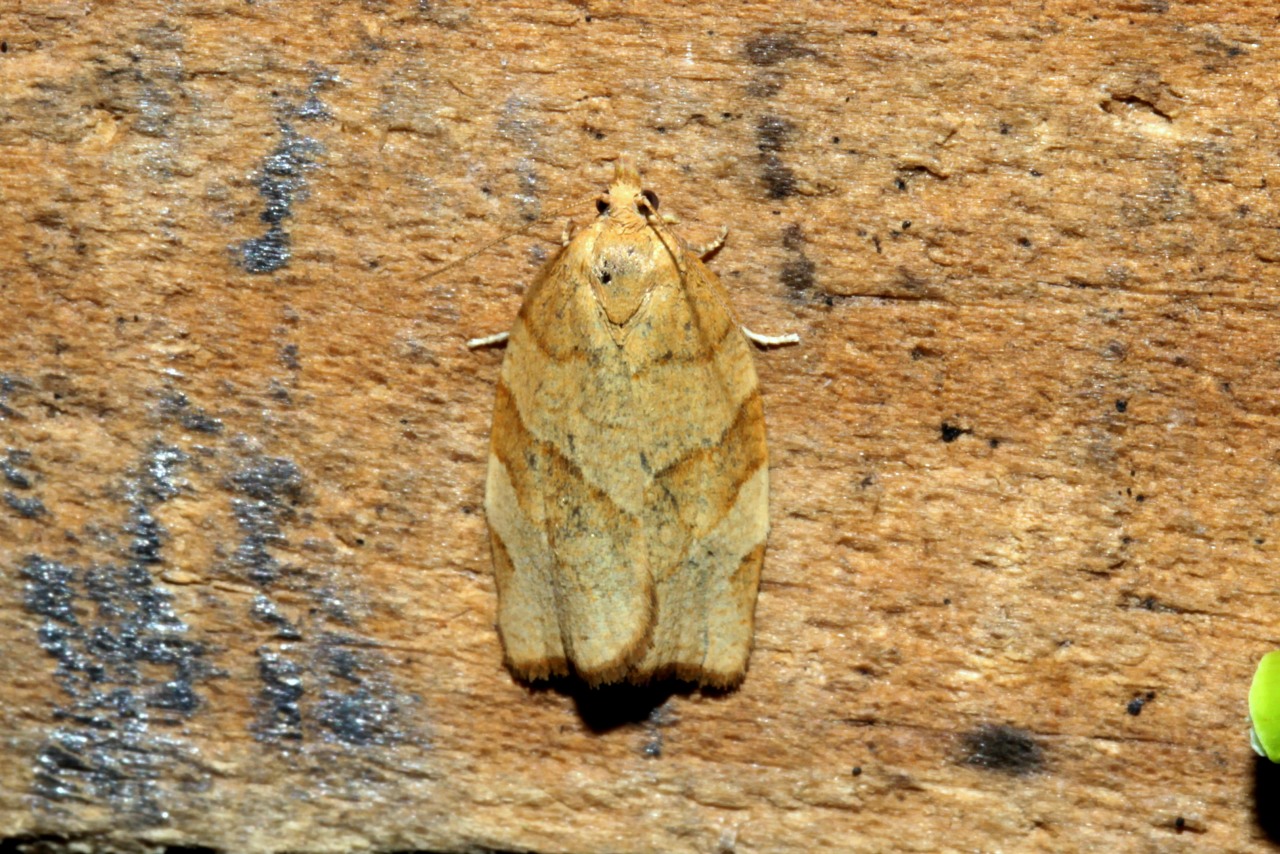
(1264, 707)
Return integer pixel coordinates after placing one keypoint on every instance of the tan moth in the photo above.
(627, 495)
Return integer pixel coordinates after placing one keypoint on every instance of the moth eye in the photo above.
(602, 206)
(652, 198)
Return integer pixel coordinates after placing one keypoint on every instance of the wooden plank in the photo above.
(1024, 462)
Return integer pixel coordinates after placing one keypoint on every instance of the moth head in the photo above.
(627, 197)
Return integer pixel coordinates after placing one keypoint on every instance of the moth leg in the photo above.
(489, 340)
(566, 234)
(770, 340)
(712, 246)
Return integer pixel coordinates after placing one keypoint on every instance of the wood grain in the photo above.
(1026, 493)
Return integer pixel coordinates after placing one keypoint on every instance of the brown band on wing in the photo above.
(706, 481)
(515, 447)
(523, 468)
(599, 584)
(722, 663)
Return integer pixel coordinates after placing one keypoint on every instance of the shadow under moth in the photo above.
(627, 495)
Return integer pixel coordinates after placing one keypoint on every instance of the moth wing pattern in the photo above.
(570, 588)
(708, 510)
(627, 494)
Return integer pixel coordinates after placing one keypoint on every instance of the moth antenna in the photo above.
(563, 209)
(658, 224)
(667, 238)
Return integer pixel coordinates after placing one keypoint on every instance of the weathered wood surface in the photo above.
(1025, 462)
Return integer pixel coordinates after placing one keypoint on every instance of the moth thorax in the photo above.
(625, 267)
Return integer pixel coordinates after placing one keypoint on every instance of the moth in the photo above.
(627, 493)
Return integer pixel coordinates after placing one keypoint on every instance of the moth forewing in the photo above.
(627, 495)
